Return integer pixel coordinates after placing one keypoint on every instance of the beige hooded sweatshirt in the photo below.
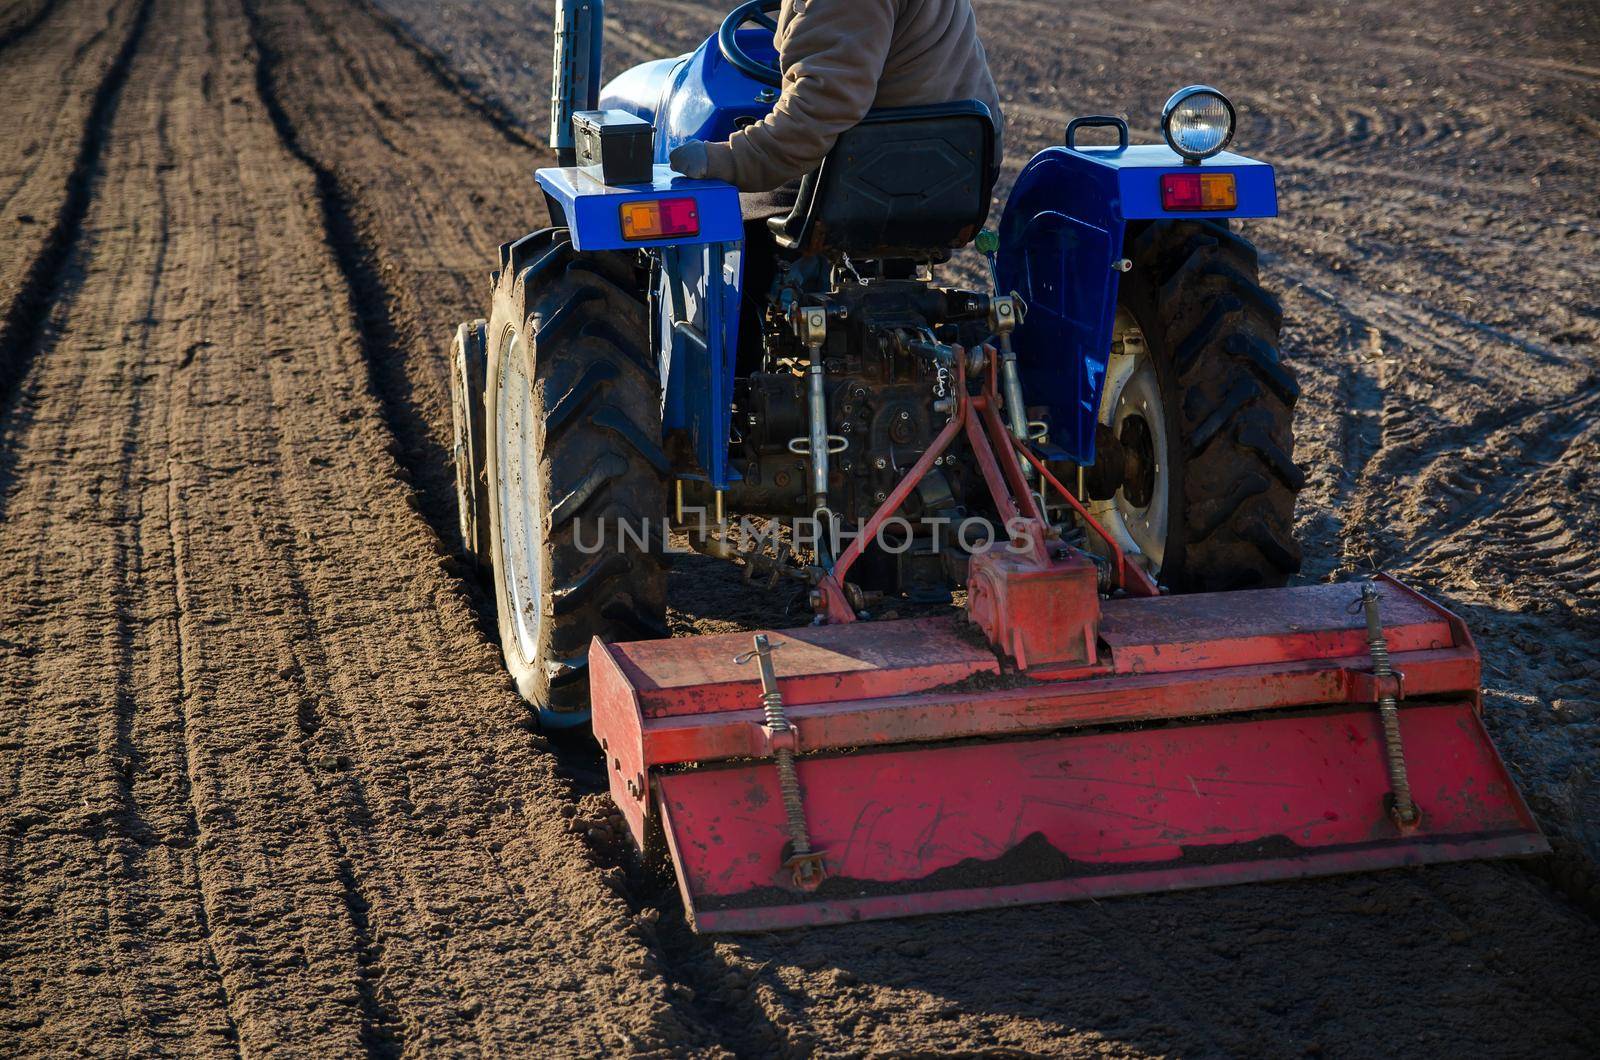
(841, 58)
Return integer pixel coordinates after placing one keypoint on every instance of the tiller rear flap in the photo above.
(1052, 744)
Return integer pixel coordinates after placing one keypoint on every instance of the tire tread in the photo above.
(1235, 400)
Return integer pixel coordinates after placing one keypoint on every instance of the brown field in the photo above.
(263, 784)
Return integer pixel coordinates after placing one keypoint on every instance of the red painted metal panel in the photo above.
(616, 719)
(1073, 815)
(911, 819)
(1263, 626)
(816, 664)
(1319, 863)
(1039, 707)
(1034, 615)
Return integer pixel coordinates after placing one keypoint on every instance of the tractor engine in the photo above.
(883, 383)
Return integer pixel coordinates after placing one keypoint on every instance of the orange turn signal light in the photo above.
(660, 218)
(1198, 191)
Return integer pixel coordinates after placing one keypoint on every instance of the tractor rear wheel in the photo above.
(1201, 405)
(577, 478)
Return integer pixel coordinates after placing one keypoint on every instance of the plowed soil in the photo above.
(263, 784)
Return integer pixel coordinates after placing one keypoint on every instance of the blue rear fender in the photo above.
(699, 96)
(707, 98)
(1061, 236)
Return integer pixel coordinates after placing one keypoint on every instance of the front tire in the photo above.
(1203, 404)
(577, 478)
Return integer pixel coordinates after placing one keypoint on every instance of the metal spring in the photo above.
(1394, 757)
(1405, 809)
(808, 868)
(789, 786)
(772, 706)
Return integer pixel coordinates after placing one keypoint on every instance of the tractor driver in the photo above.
(841, 58)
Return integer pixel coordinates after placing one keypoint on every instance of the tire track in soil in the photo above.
(360, 261)
(141, 786)
(361, 256)
(489, 108)
(117, 820)
(354, 254)
(414, 389)
(419, 452)
(20, 18)
(217, 456)
(355, 249)
(39, 179)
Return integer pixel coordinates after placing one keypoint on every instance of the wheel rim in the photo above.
(521, 529)
(464, 483)
(1137, 516)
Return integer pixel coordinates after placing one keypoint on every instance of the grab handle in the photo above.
(1094, 121)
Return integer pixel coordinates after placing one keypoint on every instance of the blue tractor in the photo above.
(656, 349)
(1092, 444)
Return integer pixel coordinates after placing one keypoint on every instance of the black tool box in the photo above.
(615, 146)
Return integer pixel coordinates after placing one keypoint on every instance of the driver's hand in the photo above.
(689, 159)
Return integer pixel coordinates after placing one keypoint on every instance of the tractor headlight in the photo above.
(1197, 122)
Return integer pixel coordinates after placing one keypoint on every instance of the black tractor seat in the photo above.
(907, 183)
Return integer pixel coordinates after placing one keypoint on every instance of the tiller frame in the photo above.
(1074, 735)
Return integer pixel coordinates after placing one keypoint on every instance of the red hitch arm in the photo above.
(1129, 576)
(995, 449)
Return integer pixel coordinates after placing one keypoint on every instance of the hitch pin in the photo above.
(805, 863)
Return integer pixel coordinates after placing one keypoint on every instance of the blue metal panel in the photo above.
(1139, 172)
(1060, 234)
(639, 90)
(707, 98)
(699, 330)
(696, 97)
(593, 213)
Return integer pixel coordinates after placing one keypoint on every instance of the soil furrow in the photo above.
(348, 244)
(46, 198)
(487, 107)
(306, 710)
(18, 19)
(420, 453)
(340, 205)
(413, 389)
(185, 778)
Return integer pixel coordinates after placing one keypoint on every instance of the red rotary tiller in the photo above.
(1075, 735)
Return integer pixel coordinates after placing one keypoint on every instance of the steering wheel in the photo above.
(761, 13)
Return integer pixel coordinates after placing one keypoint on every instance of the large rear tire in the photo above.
(1202, 403)
(577, 478)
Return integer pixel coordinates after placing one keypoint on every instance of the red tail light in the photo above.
(660, 218)
(1198, 191)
